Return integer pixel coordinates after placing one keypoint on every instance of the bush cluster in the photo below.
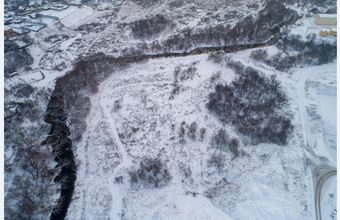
(152, 173)
(259, 55)
(310, 51)
(216, 57)
(16, 59)
(221, 142)
(149, 27)
(192, 131)
(180, 76)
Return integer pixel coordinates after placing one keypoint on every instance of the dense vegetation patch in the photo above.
(152, 173)
(253, 103)
(296, 52)
(147, 28)
(16, 59)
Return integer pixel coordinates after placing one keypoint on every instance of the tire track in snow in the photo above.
(117, 191)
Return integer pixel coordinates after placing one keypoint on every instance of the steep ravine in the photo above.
(69, 105)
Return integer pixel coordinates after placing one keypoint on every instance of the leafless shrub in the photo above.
(234, 147)
(203, 132)
(222, 144)
(259, 55)
(175, 91)
(192, 130)
(188, 73)
(117, 105)
(237, 66)
(182, 131)
(215, 76)
(216, 57)
(186, 173)
(216, 161)
(119, 179)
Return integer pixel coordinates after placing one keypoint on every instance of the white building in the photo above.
(325, 19)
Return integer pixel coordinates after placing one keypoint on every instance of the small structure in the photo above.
(331, 33)
(325, 19)
(31, 26)
(8, 33)
(45, 19)
(20, 30)
(33, 15)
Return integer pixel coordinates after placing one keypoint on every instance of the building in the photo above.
(8, 33)
(333, 32)
(325, 19)
(330, 33)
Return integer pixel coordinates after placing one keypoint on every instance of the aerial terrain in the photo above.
(170, 109)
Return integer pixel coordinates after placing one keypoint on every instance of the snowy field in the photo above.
(318, 109)
(156, 110)
(73, 19)
(60, 13)
(71, 16)
(133, 116)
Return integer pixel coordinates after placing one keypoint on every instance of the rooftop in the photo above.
(327, 15)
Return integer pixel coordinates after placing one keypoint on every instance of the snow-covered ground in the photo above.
(269, 182)
(139, 111)
(60, 13)
(306, 26)
(317, 94)
(77, 16)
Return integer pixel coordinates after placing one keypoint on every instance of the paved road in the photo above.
(321, 174)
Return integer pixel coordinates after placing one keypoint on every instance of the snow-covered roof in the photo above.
(32, 26)
(327, 15)
(20, 30)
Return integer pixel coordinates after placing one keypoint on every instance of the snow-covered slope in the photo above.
(267, 182)
(143, 137)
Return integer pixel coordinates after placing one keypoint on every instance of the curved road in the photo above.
(321, 174)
